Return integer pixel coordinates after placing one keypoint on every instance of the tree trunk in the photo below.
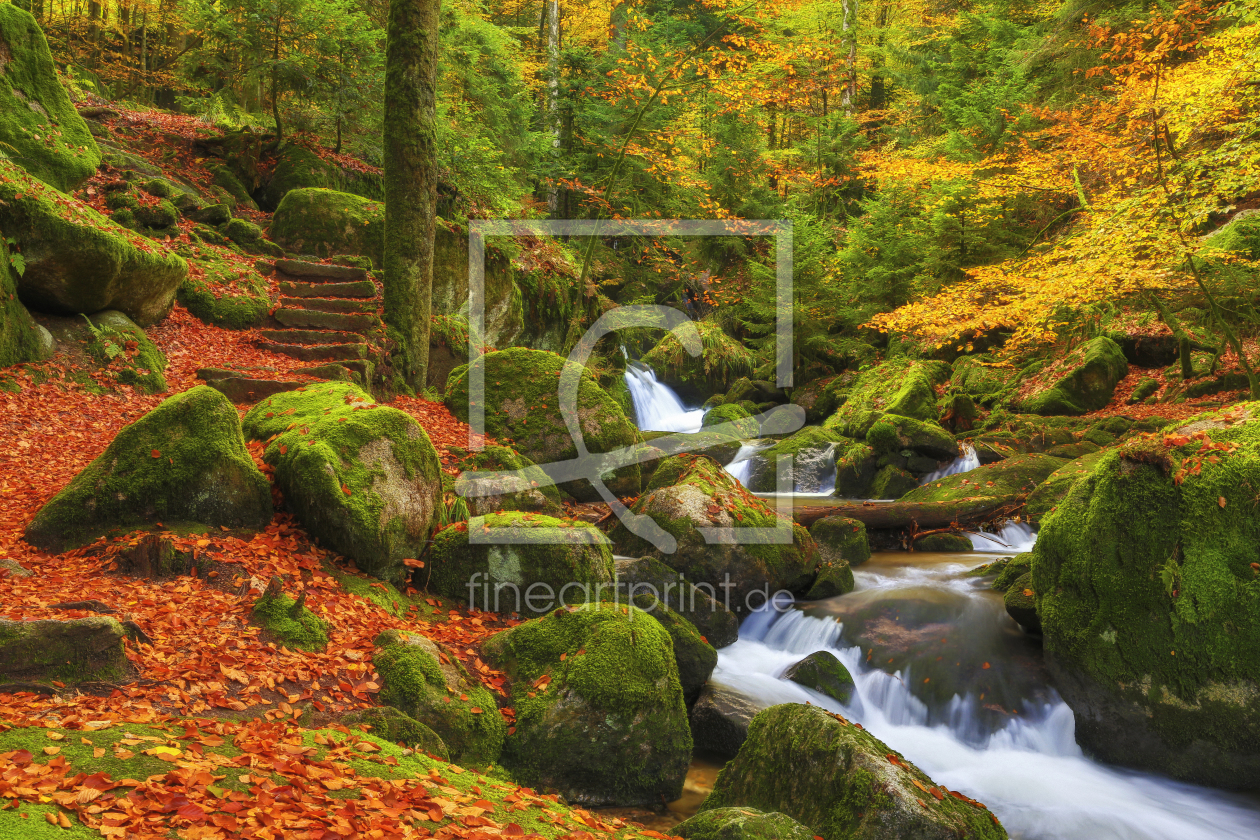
(275, 86)
(848, 43)
(410, 183)
(552, 22)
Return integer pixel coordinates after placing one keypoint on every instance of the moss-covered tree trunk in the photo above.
(410, 182)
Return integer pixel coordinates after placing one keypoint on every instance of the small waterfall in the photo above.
(966, 462)
(741, 465)
(656, 407)
(1014, 538)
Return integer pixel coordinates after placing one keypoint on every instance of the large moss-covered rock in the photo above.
(297, 167)
(530, 491)
(427, 682)
(1012, 480)
(721, 362)
(1083, 381)
(892, 482)
(838, 780)
(902, 387)
(741, 824)
(856, 465)
(894, 433)
(813, 461)
(689, 493)
(77, 261)
(184, 460)
(745, 425)
(700, 605)
(693, 654)
(325, 223)
(599, 707)
(542, 563)
(66, 651)
(20, 339)
(362, 477)
(822, 397)
(523, 404)
(116, 343)
(1055, 487)
(218, 292)
(983, 379)
(841, 545)
(1150, 603)
(39, 127)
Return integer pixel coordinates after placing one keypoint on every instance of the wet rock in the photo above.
(1021, 604)
(822, 672)
(812, 460)
(838, 780)
(701, 606)
(325, 222)
(892, 482)
(720, 718)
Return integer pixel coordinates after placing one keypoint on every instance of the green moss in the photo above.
(430, 685)
(695, 657)
(220, 293)
(500, 577)
(77, 260)
(893, 433)
(522, 404)
(1082, 382)
(741, 824)
(114, 739)
(394, 726)
(1013, 478)
(943, 543)
(363, 478)
(297, 167)
(1146, 388)
(984, 379)
(611, 725)
(822, 672)
(1054, 488)
(856, 464)
(892, 482)
(841, 538)
(1012, 569)
(722, 360)
(746, 426)
(536, 494)
(836, 779)
(39, 126)
(326, 223)
(26, 821)
(900, 386)
(717, 625)
(1149, 602)
(201, 472)
(19, 340)
(76, 650)
(381, 593)
(1241, 235)
(126, 352)
(294, 625)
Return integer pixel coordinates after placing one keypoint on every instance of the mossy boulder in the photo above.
(600, 714)
(528, 490)
(1020, 601)
(39, 127)
(943, 543)
(522, 403)
(822, 397)
(840, 538)
(289, 620)
(741, 824)
(513, 562)
(77, 650)
(822, 672)
(700, 605)
(116, 343)
(1055, 487)
(1241, 235)
(746, 426)
(903, 387)
(1082, 382)
(689, 493)
(1150, 605)
(812, 451)
(827, 774)
(426, 681)
(984, 379)
(77, 261)
(362, 477)
(693, 654)
(894, 433)
(220, 293)
(183, 461)
(398, 727)
(297, 167)
(892, 482)
(856, 465)
(722, 361)
(325, 223)
(1012, 479)
(20, 338)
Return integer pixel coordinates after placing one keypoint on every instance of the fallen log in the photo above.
(915, 516)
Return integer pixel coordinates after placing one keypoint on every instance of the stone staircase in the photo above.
(327, 314)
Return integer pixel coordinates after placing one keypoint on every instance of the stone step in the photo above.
(309, 336)
(357, 371)
(320, 273)
(317, 352)
(310, 318)
(245, 388)
(329, 305)
(358, 289)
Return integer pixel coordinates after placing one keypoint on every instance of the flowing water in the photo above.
(966, 462)
(945, 677)
(656, 407)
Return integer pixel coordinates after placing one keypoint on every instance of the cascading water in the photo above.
(1004, 737)
(741, 465)
(966, 462)
(656, 407)
(1013, 538)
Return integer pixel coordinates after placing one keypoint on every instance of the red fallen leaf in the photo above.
(476, 711)
(1221, 501)
(156, 454)
(513, 830)
(415, 564)
(345, 489)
